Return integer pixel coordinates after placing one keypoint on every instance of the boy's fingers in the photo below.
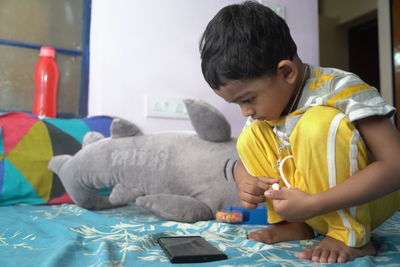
(256, 184)
(268, 180)
(275, 194)
(251, 198)
(261, 188)
(248, 205)
(253, 189)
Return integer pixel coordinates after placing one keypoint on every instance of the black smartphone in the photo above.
(189, 249)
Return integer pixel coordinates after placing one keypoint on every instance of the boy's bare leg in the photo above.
(330, 250)
(283, 231)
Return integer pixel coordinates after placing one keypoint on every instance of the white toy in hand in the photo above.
(275, 186)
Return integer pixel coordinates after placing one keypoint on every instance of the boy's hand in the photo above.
(292, 204)
(251, 189)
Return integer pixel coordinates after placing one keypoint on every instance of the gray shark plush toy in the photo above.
(178, 176)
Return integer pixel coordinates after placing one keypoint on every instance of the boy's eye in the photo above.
(248, 101)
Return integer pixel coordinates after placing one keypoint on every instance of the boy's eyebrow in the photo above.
(239, 97)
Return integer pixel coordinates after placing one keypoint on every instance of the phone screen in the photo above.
(187, 249)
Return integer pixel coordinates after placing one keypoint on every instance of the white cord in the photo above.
(281, 170)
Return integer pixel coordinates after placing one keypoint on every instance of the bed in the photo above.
(67, 235)
(40, 226)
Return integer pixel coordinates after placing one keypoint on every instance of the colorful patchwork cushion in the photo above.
(27, 143)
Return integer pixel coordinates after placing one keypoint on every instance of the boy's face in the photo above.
(263, 98)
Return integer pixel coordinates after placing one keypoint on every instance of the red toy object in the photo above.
(229, 216)
(63, 199)
(46, 82)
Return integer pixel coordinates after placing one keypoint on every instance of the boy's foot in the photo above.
(330, 250)
(283, 231)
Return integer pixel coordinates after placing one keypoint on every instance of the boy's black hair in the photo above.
(244, 41)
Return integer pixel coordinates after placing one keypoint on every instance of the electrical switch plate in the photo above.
(277, 8)
(165, 107)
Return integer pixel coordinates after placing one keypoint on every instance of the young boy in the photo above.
(321, 133)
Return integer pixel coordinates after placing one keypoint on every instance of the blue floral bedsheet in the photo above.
(67, 235)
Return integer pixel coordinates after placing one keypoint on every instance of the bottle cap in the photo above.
(47, 51)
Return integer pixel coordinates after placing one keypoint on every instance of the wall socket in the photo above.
(165, 107)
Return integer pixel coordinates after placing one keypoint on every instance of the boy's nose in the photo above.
(247, 111)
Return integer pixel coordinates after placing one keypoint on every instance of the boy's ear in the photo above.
(288, 70)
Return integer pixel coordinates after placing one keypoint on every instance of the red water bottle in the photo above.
(46, 82)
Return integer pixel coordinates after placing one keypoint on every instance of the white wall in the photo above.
(143, 48)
